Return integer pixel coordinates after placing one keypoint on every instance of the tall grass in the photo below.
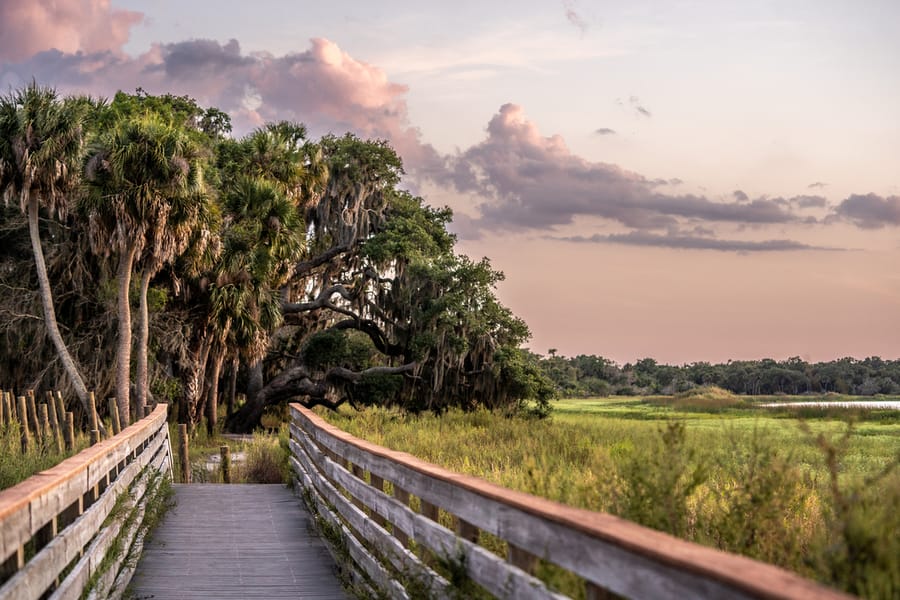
(16, 466)
(818, 499)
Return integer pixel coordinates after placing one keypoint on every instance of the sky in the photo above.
(688, 180)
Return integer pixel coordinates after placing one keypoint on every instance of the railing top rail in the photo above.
(16, 498)
(756, 578)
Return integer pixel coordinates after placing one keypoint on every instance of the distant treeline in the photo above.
(588, 375)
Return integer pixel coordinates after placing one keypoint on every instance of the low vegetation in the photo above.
(815, 496)
(16, 466)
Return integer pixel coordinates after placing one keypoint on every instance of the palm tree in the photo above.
(263, 241)
(41, 146)
(146, 194)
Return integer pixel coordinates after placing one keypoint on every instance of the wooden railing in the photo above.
(58, 527)
(345, 478)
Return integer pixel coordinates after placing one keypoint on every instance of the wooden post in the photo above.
(361, 473)
(13, 564)
(54, 422)
(226, 463)
(521, 558)
(26, 436)
(32, 415)
(92, 409)
(61, 407)
(45, 424)
(69, 434)
(2, 408)
(466, 530)
(402, 496)
(378, 483)
(185, 453)
(429, 510)
(114, 416)
(13, 412)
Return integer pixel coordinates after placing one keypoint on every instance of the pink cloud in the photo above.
(323, 87)
(31, 26)
(531, 181)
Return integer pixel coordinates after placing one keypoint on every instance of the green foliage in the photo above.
(266, 460)
(583, 376)
(735, 480)
(16, 466)
(660, 480)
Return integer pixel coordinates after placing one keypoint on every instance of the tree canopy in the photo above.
(284, 267)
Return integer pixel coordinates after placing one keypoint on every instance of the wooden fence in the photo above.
(346, 479)
(57, 527)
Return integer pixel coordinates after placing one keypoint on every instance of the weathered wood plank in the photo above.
(386, 545)
(235, 541)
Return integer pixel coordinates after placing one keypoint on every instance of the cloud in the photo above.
(869, 211)
(605, 131)
(805, 201)
(573, 17)
(634, 105)
(740, 196)
(692, 242)
(323, 87)
(31, 26)
(817, 185)
(535, 182)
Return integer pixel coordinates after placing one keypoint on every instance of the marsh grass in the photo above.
(818, 496)
(16, 466)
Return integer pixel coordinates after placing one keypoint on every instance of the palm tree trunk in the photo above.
(232, 387)
(143, 340)
(212, 408)
(123, 349)
(65, 358)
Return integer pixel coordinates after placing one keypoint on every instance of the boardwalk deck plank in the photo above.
(235, 541)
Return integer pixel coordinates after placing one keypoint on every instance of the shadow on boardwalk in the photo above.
(235, 541)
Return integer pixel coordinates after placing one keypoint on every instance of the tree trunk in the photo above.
(143, 340)
(193, 382)
(212, 407)
(255, 379)
(123, 348)
(65, 358)
(232, 387)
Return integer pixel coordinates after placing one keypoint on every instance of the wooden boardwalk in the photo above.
(235, 541)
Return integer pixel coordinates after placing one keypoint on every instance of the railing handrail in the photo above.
(18, 496)
(477, 501)
(63, 511)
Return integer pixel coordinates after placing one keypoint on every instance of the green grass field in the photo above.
(814, 494)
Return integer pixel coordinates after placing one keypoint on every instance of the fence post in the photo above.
(23, 412)
(54, 421)
(114, 415)
(226, 463)
(402, 496)
(45, 424)
(32, 415)
(70, 432)
(95, 428)
(185, 453)
(61, 407)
